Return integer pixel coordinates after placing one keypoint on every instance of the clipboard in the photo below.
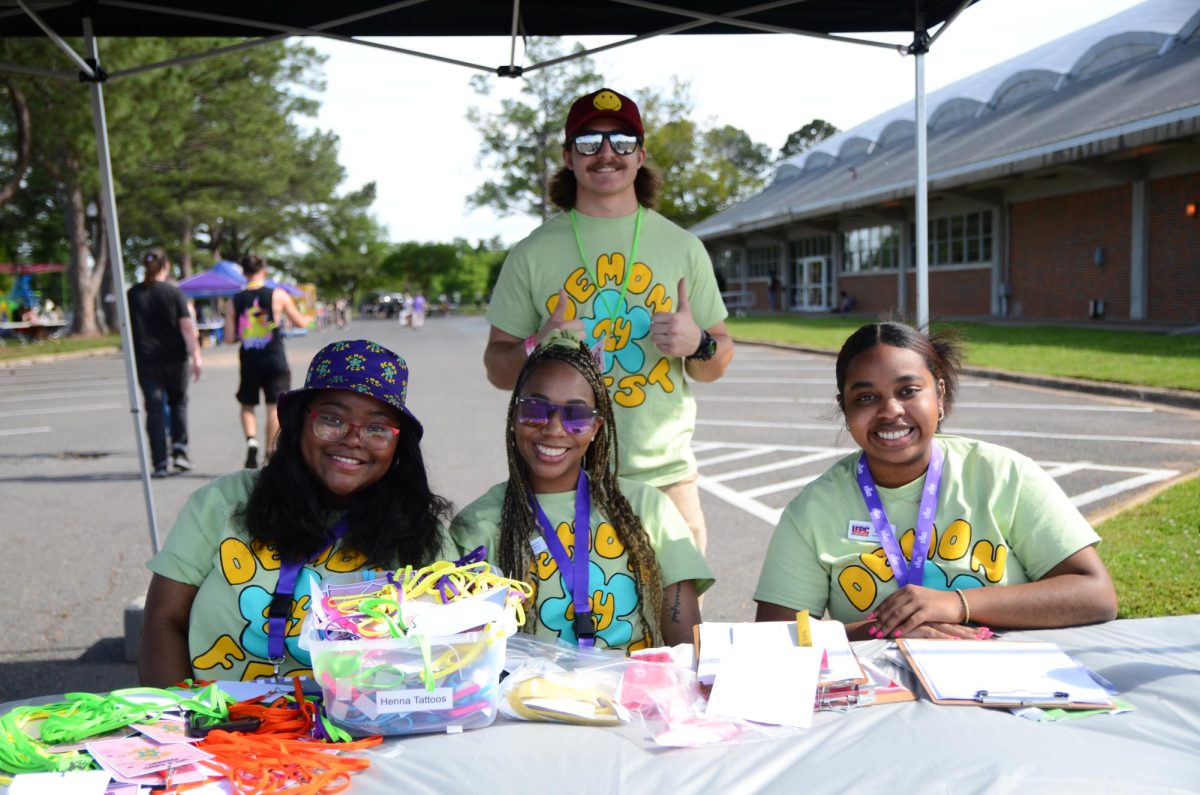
(1001, 673)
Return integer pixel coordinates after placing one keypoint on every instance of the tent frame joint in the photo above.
(98, 74)
(920, 43)
(510, 70)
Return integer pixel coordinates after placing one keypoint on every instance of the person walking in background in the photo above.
(639, 289)
(418, 310)
(252, 319)
(773, 290)
(166, 348)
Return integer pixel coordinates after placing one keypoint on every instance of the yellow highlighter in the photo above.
(803, 633)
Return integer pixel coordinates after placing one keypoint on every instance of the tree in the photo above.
(208, 152)
(806, 138)
(347, 245)
(704, 170)
(522, 143)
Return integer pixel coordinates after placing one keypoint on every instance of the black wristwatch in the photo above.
(707, 347)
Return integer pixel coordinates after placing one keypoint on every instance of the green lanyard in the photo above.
(591, 270)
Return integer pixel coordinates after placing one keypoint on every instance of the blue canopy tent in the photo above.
(271, 20)
(209, 284)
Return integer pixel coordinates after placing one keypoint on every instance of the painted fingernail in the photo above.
(899, 633)
(870, 616)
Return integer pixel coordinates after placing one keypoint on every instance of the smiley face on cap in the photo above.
(606, 100)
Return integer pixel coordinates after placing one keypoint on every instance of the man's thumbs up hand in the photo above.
(676, 333)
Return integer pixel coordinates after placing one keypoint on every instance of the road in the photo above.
(76, 534)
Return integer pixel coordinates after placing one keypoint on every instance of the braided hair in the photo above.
(518, 523)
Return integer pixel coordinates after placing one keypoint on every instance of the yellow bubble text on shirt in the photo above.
(989, 559)
(955, 540)
(237, 561)
(224, 653)
(630, 390)
(607, 545)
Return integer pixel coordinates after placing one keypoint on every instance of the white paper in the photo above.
(716, 638)
(827, 636)
(777, 688)
(1026, 670)
(76, 782)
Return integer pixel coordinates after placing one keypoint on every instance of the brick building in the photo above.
(1064, 184)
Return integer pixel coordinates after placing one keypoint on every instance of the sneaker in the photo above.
(182, 464)
(251, 456)
(159, 472)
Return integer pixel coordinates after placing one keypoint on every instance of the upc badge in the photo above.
(862, 531)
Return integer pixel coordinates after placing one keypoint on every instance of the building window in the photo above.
(959, 239)
(807, 247)
(762, 262)
(875, 248)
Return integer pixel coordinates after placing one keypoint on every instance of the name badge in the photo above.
(862, 531)
(538, 545)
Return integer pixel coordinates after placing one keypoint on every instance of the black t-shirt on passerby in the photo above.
(154, 313)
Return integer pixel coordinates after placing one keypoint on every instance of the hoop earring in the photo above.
(941, 414)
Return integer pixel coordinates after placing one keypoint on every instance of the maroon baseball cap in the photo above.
(603, 104)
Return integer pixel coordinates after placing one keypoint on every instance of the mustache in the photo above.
(611, 163)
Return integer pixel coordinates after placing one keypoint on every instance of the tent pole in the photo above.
(919, 48)
(117, 263)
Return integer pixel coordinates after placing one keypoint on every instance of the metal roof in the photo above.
(1131, 79)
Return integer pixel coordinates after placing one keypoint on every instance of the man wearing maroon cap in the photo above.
(635, 286)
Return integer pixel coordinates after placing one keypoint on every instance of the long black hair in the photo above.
(395, 521)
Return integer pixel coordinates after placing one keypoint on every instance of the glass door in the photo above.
(810, 290)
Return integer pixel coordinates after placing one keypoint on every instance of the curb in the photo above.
(1178, 398)
(12, 364)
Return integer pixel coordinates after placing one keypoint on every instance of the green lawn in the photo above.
(1153, 553)
(14, 350)
(1130, 357)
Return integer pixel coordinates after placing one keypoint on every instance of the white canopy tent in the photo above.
(271, 20)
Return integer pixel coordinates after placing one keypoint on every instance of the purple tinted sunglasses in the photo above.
(536, 413)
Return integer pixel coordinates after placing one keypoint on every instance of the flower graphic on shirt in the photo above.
(253, 604)
(616, 597)
(622, 327)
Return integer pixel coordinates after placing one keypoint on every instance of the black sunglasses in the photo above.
(588, 142)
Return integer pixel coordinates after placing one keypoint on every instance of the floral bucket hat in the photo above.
(359, 366)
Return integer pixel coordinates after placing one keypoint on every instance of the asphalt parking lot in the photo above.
(76, 535)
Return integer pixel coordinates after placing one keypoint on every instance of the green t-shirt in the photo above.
(1001, 520)
(227, 628)
(613, 595)
(653, 403)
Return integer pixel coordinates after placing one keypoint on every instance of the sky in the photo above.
(402, 119)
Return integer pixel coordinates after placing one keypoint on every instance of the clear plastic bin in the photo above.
(405, 686)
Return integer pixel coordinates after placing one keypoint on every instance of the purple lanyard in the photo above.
(574, 570)
(281, 603)
(911, 572)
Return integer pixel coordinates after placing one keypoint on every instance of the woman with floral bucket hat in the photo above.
(345, 489)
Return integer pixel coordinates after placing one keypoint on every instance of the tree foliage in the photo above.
(807, 137)
(448, 268)
(704, 169)
(206, 157)
(522, 142)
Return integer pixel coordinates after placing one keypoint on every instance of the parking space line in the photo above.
(784, 486)
(1078, 437)
(749, 452)
(1111, 489)
(63, 395)
(774, 466)
(61, 410)
(957, 404)
(21, 431)
(747, 499)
